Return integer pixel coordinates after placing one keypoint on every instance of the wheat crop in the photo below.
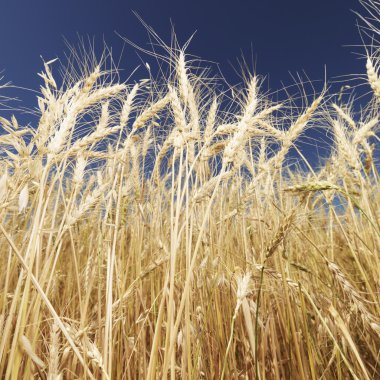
(149, 230)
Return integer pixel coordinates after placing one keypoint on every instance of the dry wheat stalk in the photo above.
(373, 78)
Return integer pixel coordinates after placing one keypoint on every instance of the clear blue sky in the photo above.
(282, 35)
(285, 35)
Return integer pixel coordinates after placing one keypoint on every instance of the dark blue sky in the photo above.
(280, 36)
(283, 35)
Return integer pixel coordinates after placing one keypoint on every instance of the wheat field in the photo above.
(172, 227)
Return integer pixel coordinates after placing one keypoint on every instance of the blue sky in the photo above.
(278, 37)
(281, 35)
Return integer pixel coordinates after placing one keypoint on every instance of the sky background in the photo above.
(281, 37)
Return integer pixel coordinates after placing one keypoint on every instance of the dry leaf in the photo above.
(23, 199)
